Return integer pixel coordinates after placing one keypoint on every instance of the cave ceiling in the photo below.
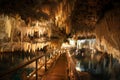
(80, 16)
(63, 19)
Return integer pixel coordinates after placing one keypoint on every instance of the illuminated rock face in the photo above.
(108, 32)
(16, 35)
(5, 25)
(81, 17)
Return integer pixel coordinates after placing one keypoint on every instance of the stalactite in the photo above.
(8, 26)
(67, 29)
(33, 48)
(12, 30)
(49, 32)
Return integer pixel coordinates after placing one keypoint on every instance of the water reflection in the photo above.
(10, 60)
(98, 64)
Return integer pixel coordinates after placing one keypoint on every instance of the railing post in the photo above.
(37, 69)
(24, 75)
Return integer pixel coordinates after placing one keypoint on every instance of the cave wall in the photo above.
(16, 35)
(6, 26)
(108, 32)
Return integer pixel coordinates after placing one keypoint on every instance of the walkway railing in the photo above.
(7, 74)
(72, 73)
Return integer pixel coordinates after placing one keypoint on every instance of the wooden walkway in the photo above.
(59, 70)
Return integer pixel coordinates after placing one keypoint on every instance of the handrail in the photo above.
(21, 66)
(73, 74)
(25, 64)
(35, 71)
(40, 68)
